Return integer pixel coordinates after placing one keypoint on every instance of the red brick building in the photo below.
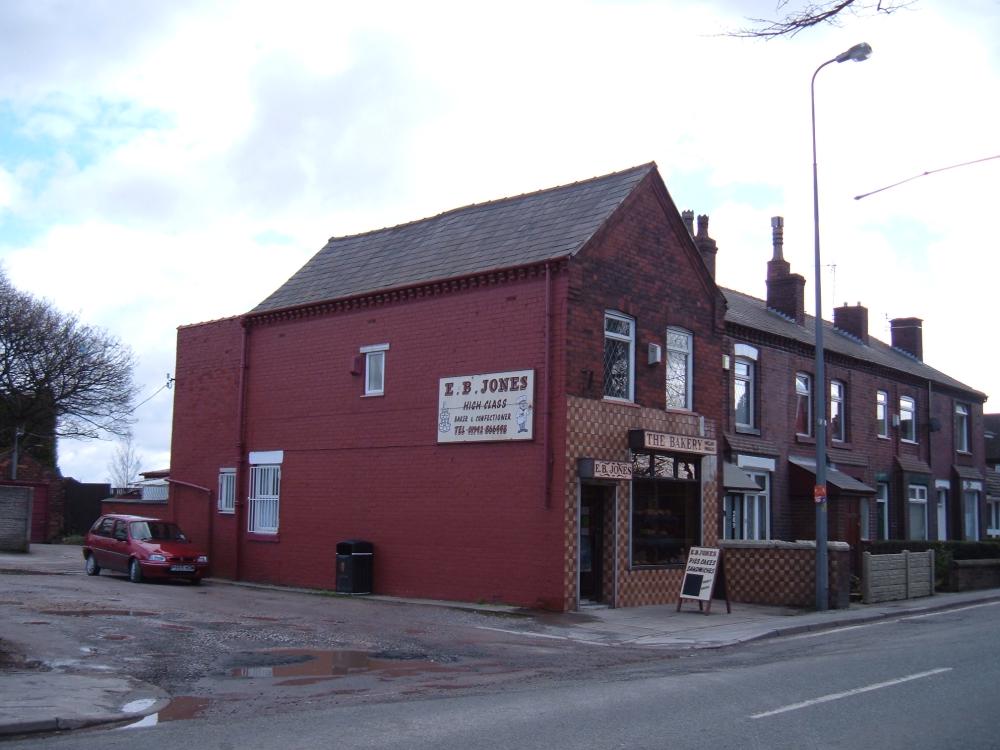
(905, 444)
(514, 401)
(547, 400)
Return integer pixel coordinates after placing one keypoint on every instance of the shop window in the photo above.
(747, 515)
(265, 493)
(917, 511)
(907, 419)
(619, 354)
(375, 369)
(666, 511)
(882, 511)
(838, 411)
(803, 404)
(745, 387)
(962, 428)
(227, 490)
(679, 368)
(882, 414)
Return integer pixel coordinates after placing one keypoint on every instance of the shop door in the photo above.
(591, 542)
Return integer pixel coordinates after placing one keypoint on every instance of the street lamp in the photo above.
(857, 53)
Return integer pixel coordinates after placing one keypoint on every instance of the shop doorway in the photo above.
(594, 513)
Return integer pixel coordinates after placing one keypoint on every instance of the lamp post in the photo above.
(856, 53)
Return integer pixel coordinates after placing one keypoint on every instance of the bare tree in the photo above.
(795, 19)
(123, 469)
(58, 377)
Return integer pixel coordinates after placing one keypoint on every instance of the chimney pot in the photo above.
(705, 244)
(688, 217)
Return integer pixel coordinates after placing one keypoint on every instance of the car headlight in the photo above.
(203, 558)
(157, 558)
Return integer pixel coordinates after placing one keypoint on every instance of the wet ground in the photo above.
(222, 650)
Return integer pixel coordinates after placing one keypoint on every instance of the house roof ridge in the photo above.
(495, 201)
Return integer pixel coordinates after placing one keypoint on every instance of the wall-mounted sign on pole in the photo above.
(703, 565)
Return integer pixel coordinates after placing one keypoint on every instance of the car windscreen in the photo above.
(159, 531)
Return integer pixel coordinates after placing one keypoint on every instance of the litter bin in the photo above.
(354, 567)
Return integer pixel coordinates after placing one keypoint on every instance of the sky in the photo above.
(169, 162)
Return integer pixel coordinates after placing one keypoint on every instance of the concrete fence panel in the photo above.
(15, 518)
(887, 578)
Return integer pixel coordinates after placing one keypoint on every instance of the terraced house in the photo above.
(542, 400)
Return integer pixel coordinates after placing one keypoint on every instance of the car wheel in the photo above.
(134, 572)
(93, 568)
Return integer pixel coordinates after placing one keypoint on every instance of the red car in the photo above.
(142, 548)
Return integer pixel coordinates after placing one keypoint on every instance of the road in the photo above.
(923, 681)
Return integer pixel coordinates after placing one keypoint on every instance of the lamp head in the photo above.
(858, 53)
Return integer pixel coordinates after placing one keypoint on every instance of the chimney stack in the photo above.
(705, 244)
(908, 335)
(852, 320)
(785, 290)
(688, 217)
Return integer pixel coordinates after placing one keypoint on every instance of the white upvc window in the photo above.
(680, 365)
(619, 354)
(803, 404)
(748, 515)
(745, 386)
(882, 510)
(227, 490)
(838, 411)
(993, 517)
(907, 419)
(970, 509)
(917, 511)
(375, 368)
(882, 414)
(265, 494)
(962, 428)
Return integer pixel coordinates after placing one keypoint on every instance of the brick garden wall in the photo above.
(784, 573)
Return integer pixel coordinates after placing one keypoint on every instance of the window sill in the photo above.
(908, 442)
(805, 439)
(883, 437)
(842, 444)
(372, 395)
(619, 402)
(254, 536)
(964, 453)
(743, 430)
(226, 512)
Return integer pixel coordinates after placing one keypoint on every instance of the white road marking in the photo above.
(543, 635)
(848, 693)
(820, 633)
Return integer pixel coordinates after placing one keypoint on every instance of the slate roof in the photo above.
(504, 233)
(754, 313)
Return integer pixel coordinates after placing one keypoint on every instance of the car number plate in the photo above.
(182, 568)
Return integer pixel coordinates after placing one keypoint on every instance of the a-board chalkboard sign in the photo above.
(703, 565)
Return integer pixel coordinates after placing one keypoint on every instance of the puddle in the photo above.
(134, 707)
(128, 637)
(306, 663)
(184, 707)
(98, 613)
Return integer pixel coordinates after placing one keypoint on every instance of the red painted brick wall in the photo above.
(465, 521)
(205, 434)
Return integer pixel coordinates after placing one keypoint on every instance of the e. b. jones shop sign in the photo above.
(490, 406)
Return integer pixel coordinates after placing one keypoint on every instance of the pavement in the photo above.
(36, 701)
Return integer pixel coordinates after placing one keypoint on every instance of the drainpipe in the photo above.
(547, 490)
(238, 502)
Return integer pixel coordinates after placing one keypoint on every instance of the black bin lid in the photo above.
(354, 547)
